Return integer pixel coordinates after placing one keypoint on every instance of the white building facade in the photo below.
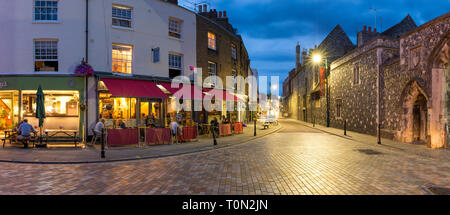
(45, 42)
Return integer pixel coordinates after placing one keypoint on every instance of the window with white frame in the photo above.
(175, 27)
(212, 71)
(175, 65)
(122, 58)
(356, 74)
(45, 55)
(233, 52)
(122, 16)
(211, 41)
(45, 11)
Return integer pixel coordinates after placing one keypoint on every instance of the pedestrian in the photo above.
(174, 131)
(25, 130)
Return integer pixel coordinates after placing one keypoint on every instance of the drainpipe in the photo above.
(86, 123)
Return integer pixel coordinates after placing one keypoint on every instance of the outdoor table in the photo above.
(224, 129)
(9, 134)
(68, 133)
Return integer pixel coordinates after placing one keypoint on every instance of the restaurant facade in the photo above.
(63, 98)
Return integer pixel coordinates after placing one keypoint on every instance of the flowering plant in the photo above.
(84, 69)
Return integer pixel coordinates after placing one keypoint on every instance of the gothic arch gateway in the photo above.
(415, 114)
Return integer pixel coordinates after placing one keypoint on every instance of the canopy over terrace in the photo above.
(182, 91)
(133, 88)
(220, 94)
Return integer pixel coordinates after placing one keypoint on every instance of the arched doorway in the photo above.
(420, 119)
(414, 127)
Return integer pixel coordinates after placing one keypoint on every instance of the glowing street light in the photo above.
(317, 58)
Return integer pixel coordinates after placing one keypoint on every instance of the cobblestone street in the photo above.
(295, 160)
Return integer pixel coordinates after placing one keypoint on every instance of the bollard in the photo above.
(379, 133)
(345, 127)
(213, 130)
(102, 154)
(254, 127)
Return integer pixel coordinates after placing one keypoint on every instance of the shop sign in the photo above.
(3, 84)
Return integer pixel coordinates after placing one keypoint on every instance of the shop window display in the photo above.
(9, 110)
(115, 109)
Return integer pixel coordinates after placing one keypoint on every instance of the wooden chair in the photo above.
(94, 138)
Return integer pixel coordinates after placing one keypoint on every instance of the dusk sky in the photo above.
(271, 28)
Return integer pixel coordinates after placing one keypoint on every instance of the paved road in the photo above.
(295, 160)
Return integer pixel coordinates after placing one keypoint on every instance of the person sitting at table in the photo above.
(122, 124)
(24, 131)
(99, 126)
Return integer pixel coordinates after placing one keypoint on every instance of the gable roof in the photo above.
(396, 31)
(336, 43)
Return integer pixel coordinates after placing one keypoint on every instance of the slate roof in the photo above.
(336, 44)
(396, 31)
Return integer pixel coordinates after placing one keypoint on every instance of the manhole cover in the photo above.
(439, 190)
(369, 152)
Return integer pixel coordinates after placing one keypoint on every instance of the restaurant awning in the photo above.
(226, 96)
(133, 88)
(185, 92)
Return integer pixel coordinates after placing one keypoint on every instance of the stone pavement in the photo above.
(294, 160)
(422, 150)
(92, 154)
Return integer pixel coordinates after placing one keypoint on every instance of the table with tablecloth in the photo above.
(157, 135)
(238, 127)
(189, 133)
(121, 137)
(225, 129)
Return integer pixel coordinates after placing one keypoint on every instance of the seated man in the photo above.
(25, 130)
(99, 126)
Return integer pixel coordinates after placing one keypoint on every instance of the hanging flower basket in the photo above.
(84, 69)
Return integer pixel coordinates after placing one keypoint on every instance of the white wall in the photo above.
(150, 22)
(18, 30)
(150, 30)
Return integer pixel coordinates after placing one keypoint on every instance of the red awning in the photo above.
(133, 88)
(226, 96)
(188, 92)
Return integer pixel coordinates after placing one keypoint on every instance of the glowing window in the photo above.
(122, 59)
(211, 41)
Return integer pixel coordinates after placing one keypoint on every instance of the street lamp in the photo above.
(317, 58)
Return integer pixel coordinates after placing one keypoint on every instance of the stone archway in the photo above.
(414, 126)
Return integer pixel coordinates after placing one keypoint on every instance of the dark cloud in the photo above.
(271, 28)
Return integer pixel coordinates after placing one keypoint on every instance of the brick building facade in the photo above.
(221, 51)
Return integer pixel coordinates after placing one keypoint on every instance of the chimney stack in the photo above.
(225, 14)
(370, 29)
(364, 28)
(220, 14)
(374, 30)
(200, 9)
(205, 8)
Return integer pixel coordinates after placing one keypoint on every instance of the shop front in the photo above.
(63, 96)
